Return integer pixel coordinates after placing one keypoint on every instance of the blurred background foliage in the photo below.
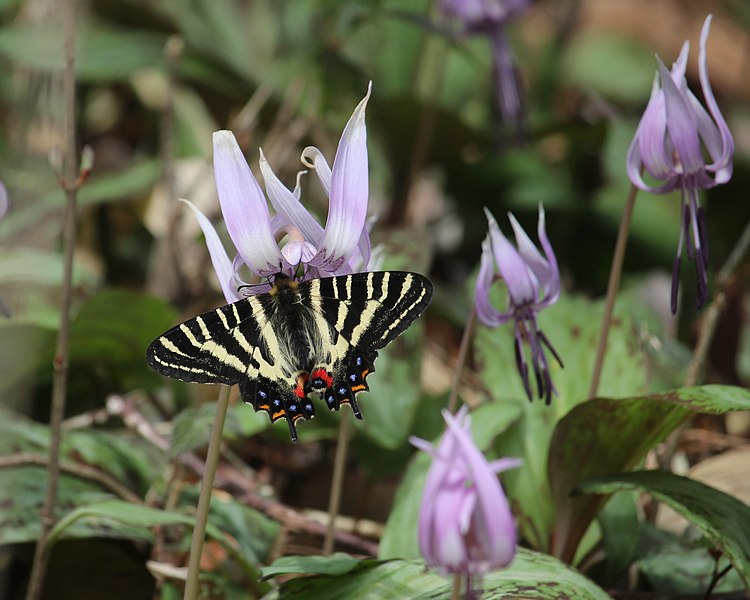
(156, 78)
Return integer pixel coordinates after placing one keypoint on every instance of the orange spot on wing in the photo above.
(358, 388)
(264, 407)
(278, 415)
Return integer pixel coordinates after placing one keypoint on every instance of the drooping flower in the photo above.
(307, 249)
(488, 18)
(533, 283)
(465, 523)
(671, 143)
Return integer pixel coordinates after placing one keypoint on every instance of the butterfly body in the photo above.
(301, 339)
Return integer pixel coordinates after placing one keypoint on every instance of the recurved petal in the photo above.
(722, 164)
(314, 159)
(288, 206)
(219, 258)
(244, 208)
(521, 283)
(551, 282)
(681, 125)
(349, 192)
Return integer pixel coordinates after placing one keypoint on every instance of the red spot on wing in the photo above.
(324, 375)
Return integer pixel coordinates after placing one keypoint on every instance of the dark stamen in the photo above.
(523, 368)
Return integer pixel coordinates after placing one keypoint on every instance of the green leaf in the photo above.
(338, 563)
(720, 517)
(112, 331)
(191, 428)
(681, 568)
(22, 492)
(584, 445)
(390, 405)
(399, 538)
(592, 59)
(110, 187)
(572, 326)
(531, 576)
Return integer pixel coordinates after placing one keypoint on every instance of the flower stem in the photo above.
(337, 484)
(456, 589)
(463, 353)
(612, 287)
(204, 500)
(60, 376)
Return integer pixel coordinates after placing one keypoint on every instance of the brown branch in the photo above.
(232, 479)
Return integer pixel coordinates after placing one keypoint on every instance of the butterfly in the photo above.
(299, 340)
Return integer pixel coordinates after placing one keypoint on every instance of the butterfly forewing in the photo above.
(320, 336)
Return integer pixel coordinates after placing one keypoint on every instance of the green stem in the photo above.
(463, 354)
(456, 589)
(60, 376)
(204, 500)
(337, 484)
(612, 288)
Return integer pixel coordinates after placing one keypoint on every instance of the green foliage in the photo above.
(572, 326)
(530, 576)
(720, 517)
(582, 445)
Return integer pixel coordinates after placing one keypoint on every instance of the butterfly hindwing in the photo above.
(318, 337)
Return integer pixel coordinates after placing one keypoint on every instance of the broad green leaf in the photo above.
(399, 538)
(391, 403)
(338, 563)
(24, 350)
(253, 532)
(531, 576)
(620, 532)
(685, 569)
(113, 329)
(110, 187)
(40, 267)
(572, 326)
(612, 435)
(110, 512)
(191, 428)
(720, 517)
(22, 492)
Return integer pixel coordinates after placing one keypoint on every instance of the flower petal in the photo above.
(314, 159)
(349, 191)
(495, 525)
(288, 206)
(219, 257)
(522, 287)
(723, 164)
(550, 286)
(487, 313)
(681, 126)
(244, 208)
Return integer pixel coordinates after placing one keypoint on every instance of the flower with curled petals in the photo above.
(533, 283)
(465, 524)
(671, 144)
(308, 250)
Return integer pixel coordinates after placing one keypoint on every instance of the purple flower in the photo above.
(465, 523)
(669, 144)
(488, 17)
(308, 250)
(4, 202)
(533, 283)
